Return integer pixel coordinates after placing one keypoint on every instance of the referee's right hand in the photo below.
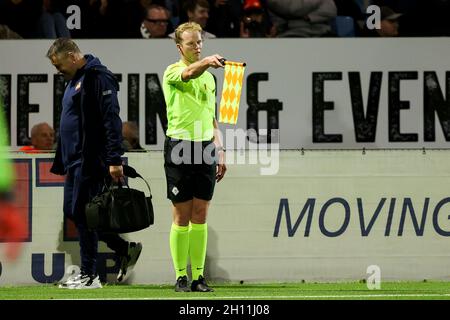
(214, 61)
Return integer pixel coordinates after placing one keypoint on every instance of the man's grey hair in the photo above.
(37, 127)
(62, 46)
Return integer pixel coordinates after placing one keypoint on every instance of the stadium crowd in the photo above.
(147, 19)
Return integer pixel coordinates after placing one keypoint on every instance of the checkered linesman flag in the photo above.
(231, 92)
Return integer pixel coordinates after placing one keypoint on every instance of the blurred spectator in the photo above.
(255, 21)
(117, 18)
(398, 5)
(52, 22)
(101, 19)
(155, 23)
(13, 227)
(6, 170)
(33, 18)
(432, 14)
(21, 16)
(302, 18)
(42, 139)
(130, 133)
(7, 33)
(388, 24)
(108, 19)
(174, 11)
(352, 9)
(128, 17)
(225, 17)
(197, 11)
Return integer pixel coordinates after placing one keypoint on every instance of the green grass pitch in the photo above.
(231, 291)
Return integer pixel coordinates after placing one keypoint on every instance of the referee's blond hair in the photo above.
(187, 26)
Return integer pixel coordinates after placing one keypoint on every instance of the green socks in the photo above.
(198, 236)
(189, 240)
(179, 248)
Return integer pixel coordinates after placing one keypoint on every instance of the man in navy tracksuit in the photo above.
(89, 150)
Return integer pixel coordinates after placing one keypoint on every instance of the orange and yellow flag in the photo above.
(231, 92)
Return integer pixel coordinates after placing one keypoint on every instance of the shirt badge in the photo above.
(78, 86)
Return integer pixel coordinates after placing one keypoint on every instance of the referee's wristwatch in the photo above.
(221, 149)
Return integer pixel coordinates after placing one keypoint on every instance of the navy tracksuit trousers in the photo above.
(77, 193)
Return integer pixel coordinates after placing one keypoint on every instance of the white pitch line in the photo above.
(284, 297)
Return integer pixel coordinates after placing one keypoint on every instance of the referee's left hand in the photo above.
(221, 166)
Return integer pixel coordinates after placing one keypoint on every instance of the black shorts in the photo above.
(190, 169)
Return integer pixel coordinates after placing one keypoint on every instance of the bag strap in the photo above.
(132, 173)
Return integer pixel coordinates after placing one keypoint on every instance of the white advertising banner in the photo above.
(319, 93)
(323, 216)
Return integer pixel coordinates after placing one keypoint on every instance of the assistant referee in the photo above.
(194, 156)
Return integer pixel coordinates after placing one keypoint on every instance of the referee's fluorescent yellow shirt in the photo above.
(190, 105)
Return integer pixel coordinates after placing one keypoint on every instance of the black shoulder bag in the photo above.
(121, 209)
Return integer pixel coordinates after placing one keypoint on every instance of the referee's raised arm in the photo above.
(195, 69)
